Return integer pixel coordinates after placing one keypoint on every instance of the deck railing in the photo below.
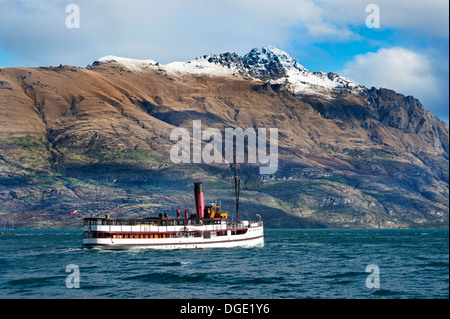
(238, 225)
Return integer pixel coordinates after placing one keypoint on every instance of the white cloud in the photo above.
(397, 68)
(308, 15)
(404, 71)
(425, 18)
(326, 31)
(33, 33)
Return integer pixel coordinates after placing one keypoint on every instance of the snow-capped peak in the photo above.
(270, 62)
(277, 66)
(265, 64)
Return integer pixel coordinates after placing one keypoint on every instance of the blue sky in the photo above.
(409, 52)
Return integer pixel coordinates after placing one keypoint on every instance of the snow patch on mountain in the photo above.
(268, 64)
(200, 66)
(278, 67)
(131, 64)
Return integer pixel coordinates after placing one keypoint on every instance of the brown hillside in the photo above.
(375, 159)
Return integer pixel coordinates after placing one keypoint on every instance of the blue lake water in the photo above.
(293, 264)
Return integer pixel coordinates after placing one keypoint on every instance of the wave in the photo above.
(385, 292)
(436, 264)
(262, 280)
(35, 282)
(174, 263)
(169, 278)
(347, 274)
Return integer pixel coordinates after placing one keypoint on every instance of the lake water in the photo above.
(293, 264)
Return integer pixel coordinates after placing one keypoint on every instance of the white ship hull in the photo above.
(170, 243)
(190, 237)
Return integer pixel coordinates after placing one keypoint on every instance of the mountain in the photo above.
(98, 139)
(268, 64)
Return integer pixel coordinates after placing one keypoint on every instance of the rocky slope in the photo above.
(97, 138)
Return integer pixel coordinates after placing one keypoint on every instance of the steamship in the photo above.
(207, 228)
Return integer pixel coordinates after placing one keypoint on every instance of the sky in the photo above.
(401, 44)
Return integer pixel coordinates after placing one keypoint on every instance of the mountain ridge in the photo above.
(268, 63)
(348, 158)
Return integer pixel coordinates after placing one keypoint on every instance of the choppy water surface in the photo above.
(293, 264)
